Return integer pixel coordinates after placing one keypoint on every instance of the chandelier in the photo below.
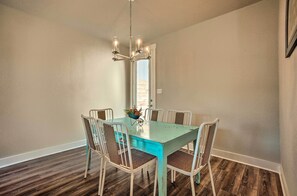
(139, 53)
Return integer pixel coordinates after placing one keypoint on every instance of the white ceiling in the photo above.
(106, 18)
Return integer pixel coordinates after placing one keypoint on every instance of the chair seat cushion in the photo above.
(181, 160)
(139, 158)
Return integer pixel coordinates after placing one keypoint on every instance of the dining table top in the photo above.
(156, 131)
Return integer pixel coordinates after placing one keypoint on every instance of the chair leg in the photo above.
(147, 171)
(90, 158)
(103, 179)
(156, 179)
(131, 184)
(87, 163)
(192, 186)
(100, 176)
(211, 179)
(171, 172)
(188, 148)
(174, 176)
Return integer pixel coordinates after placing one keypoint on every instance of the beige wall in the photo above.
(227, 67)
(49, 75)
(288, 106)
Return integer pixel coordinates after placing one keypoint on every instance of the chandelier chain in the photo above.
(130, 42)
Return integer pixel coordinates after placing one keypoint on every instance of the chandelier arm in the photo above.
(136, 54)
(142, 58)
(123, 56)
(116, 59)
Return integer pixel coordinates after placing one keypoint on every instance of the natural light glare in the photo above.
(142, 84)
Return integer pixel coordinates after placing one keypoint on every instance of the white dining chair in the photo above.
(182, 118)
(179, 117)
(104, 114)
(153, 114)
(118, 153)
(93, 142)
(191, 164)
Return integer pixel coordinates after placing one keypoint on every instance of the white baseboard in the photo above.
(6, 161)
(284, 182)
(247, 160)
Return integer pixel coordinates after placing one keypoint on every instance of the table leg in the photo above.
(162, 175)
(197, 177)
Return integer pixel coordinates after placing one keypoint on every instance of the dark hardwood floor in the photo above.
(62, 174)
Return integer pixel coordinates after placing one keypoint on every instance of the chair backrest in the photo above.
(205, 139)
(104, 114)
(116, 145)
(92, 132)
(179, 117)
(153, 114)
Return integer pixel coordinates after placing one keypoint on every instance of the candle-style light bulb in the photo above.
(132, 53)
(138, 45)
(116, 43)
(148, 51)
(115, 46)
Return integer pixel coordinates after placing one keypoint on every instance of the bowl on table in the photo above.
(133, 116)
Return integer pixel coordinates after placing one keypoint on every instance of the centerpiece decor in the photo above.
(135, 114)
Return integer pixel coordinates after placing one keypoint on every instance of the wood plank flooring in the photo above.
(62, 174)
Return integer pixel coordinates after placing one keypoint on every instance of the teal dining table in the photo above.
(159, 139)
